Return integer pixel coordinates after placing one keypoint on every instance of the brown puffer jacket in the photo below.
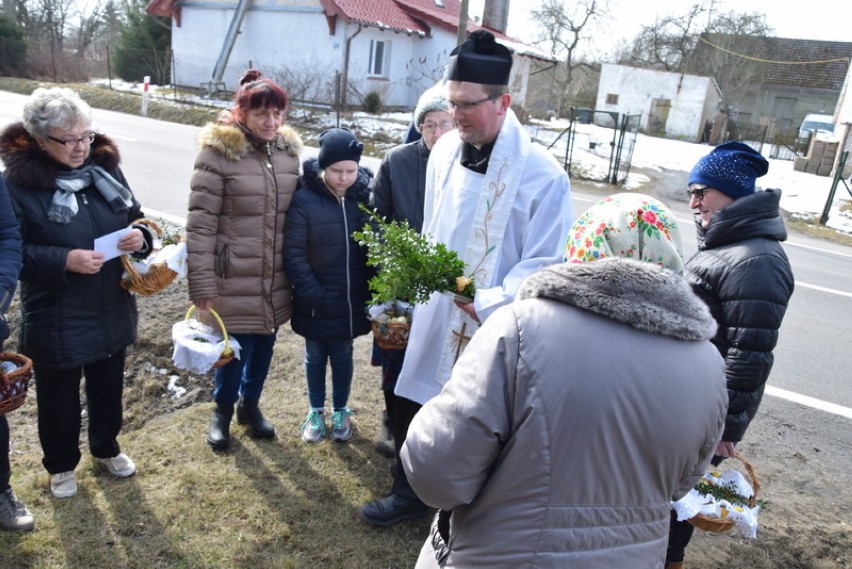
(241, 190)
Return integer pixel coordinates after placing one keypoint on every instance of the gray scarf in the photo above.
(64, 204)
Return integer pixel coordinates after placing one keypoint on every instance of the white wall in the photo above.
(637, 88)
(298, 39)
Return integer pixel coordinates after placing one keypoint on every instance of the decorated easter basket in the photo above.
(14, 385)
(722, 524)
(156, 278)
(391, 335)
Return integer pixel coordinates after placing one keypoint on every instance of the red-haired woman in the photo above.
(245, 174)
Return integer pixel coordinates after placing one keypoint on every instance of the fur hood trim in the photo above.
(230, 141)
(642, 295)
(28, 166)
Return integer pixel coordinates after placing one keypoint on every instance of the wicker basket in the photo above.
(227, 353)
(158, 276)
(14, 386)
(719, 525)
(391, 335)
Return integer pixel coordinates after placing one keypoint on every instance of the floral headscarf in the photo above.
(628, 225)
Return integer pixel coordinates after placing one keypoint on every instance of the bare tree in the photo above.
(667, 43)
(561, 28)
(730, 47)
(734, 51)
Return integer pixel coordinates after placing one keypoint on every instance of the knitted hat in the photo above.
(433, 99)
(480, 59)
(336, 145)
(730, 168)
(628, 225)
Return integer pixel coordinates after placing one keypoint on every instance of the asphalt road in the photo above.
(813, 363)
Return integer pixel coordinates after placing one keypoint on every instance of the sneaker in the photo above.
(341, 425)
(63, 485)
(120, 465)
(313, 429)
(14, 516)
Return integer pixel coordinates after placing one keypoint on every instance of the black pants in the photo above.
(406, 409)
(5, 467)
(680, 533)
(59, 420)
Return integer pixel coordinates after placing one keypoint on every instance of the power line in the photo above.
(743, 56)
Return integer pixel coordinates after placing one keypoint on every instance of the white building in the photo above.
(396, 49)
(671, 104)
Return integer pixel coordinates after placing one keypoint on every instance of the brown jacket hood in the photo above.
(28, 166)
(231, 142)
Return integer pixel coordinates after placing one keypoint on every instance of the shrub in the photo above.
(13, 47)
(373, 103)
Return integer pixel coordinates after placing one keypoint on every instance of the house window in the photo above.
(611, 99)
(379, 57)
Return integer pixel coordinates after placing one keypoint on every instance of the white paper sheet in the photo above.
(108, 244)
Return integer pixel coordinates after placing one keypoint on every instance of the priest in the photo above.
(498, 200)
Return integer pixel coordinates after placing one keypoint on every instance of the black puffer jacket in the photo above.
(400, 185)
(69, 319)
(326, 265)
(742, 273)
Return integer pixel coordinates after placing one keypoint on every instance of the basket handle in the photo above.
(150, 223)
(227, 349)
(751, 473)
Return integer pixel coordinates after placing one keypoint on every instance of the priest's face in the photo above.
(477, 115)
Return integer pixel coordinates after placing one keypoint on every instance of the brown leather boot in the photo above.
(673, 565)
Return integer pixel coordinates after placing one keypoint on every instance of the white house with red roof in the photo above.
(396, 48)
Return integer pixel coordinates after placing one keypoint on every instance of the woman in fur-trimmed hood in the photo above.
(577, 412)
(67, 190)
(245, 175)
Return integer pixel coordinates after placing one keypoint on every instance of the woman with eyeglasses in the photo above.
(398, 192)
(67, 190)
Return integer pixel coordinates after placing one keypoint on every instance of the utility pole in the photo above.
(462, 34)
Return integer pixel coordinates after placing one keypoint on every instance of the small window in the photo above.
(379, 54)
(611, 99)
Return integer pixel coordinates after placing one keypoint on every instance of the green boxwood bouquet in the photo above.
(410, 266)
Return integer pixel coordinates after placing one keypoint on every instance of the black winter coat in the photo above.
(326, 265)
(742, 273)
(10, 257)
(399, 188)
(69, 319)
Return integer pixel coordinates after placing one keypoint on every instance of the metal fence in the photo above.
(597, 145)
(779, 145)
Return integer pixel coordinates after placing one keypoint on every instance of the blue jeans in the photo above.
(317, 354)
(244, 377)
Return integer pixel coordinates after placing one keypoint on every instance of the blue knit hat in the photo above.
(730, 168)
(337, 145)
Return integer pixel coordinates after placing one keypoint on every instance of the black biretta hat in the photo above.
(480, 59)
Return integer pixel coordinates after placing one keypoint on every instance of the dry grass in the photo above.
(264, 504)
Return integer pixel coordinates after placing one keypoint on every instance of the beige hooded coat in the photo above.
(241, 190)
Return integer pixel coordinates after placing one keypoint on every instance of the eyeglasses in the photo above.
(430, 126)
(467, 105)
(86, 139)
(697, 192)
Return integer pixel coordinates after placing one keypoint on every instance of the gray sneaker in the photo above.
(313, 429)
(63, 484)
(341, 425)
(14, 516)
(119, 466)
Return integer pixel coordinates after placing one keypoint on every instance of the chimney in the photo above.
(495, 15)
